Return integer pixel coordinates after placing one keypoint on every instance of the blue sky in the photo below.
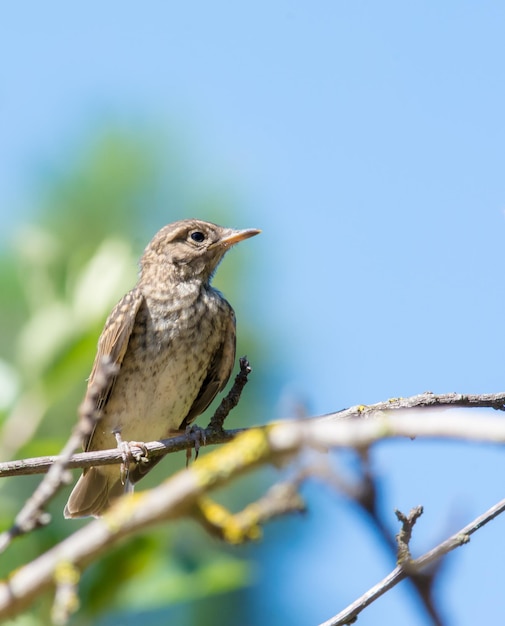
(367, 141)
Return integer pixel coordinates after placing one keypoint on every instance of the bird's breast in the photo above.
(171, 347)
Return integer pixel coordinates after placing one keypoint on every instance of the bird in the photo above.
(171, 341)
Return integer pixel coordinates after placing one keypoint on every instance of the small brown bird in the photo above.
(172, 338)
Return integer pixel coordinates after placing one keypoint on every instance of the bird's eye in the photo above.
(197, 236)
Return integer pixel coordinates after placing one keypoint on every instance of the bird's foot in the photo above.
(129, 456)
(141, 455)
(197, 437)
(126, 453)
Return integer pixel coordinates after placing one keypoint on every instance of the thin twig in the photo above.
(425, 400)
(365, 495)
(350, 613)
(422, 581)
(32, 515)
(230, 401)
(405, 534)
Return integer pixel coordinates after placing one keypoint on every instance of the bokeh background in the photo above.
(367, 141)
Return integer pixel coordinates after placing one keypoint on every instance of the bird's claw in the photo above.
(129, 456)
(140, 456)
(197, 437)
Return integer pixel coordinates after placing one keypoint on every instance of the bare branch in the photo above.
(41, 464)
(324, 431)
(232, 399)
(425, 400)
(350, 614)
(404, 536)
(422, 581)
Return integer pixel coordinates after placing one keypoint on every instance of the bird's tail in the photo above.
(94, 492)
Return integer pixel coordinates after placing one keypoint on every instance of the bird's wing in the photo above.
(218, 373)
(112, 345)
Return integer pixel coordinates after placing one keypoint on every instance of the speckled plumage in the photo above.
(173, 338)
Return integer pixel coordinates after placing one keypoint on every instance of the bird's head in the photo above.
(190, 249)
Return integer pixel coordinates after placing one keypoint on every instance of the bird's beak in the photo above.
(234, 236)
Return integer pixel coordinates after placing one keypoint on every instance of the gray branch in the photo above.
(350, 614)
(216, 435)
